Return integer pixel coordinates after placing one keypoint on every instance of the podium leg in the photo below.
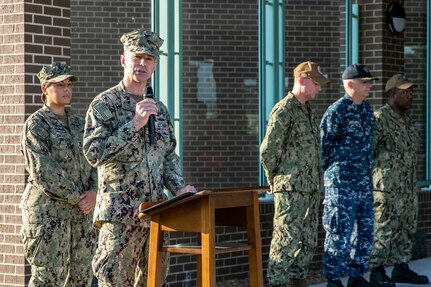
(154, 256)
(253, 235)
(208, 243)
(199, 264)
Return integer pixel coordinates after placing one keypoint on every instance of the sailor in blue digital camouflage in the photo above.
(131, 169)
(347, 137)
(290, 155)
(58, 234)
(395, 191)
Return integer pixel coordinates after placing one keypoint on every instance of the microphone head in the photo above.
(149, 93)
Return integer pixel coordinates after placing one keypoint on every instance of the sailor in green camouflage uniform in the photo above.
(131, 169)
(290, 154)
(395, 191)
(58, 234)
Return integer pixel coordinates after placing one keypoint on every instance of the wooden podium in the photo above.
(201, 213)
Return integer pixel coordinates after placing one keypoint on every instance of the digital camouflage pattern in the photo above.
(347, 138)
(59, 240)
(347, 217)
(131, 171)
(132, 248)
(290, 154)
(54, 73)
(290, 151)
(395, 193)
(294, 236)
(395, 152)
(142, 42)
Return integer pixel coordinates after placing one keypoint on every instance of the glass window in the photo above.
(220, 93)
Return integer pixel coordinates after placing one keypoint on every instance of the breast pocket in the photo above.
(63, 147)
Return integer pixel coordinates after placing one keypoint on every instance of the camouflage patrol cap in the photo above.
(142, 42)
(311, 71)
(399, 81)
(54, 73)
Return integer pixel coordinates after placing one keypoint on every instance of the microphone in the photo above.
(151, 127)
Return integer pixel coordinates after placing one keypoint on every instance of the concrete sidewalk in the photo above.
(420, 266)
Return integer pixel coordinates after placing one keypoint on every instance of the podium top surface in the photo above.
(185, 197)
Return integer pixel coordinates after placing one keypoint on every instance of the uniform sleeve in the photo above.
(92, 183)
(45, 171)
(329, 129)
(380, 133)
(102, 140)
(373, 127)
(273, 145)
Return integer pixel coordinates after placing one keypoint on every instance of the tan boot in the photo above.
(297, 283)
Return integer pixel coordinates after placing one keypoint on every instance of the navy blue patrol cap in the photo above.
(358, 72)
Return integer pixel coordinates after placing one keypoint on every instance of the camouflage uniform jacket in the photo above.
(131, 170)
(58, 170)
(395, 152)
(290, 151)
(347, 138)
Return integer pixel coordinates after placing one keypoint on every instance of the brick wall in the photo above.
(220, 145)
(415, 68)
(95, 49)
(220, 128)
(313, 33)
(12, 105)
(32, 33)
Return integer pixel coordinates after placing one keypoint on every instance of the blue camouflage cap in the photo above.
(54, 73)
(141, 41)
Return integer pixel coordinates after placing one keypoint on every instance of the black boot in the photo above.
(358, 282)
(378, 278)
(334, 283)
(403, 274)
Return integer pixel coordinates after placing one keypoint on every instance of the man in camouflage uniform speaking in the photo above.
(395, 192)
(347, 135)
(58, 234)
(290, 154)
(131, 170)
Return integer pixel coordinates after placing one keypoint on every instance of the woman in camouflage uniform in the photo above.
(57, 204)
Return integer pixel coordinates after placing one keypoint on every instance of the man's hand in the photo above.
(187, 188)
(270, 190)
(87, 201)
(143, 110)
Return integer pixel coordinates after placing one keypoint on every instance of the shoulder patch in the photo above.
(101, 111)
(37, 129)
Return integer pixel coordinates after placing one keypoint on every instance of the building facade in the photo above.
(219, 125)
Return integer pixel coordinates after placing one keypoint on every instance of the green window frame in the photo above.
(167, 22)
(271, 63)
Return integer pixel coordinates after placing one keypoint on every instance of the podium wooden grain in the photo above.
(201, 213)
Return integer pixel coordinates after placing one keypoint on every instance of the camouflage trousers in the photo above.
(59, 250)
(294, 236)
(348, 217)
(395, 222)
(122, 255)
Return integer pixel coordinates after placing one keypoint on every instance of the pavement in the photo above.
(420, 266)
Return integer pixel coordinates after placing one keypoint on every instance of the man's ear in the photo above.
(43, 89)
(123, 60)
(301, 80)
